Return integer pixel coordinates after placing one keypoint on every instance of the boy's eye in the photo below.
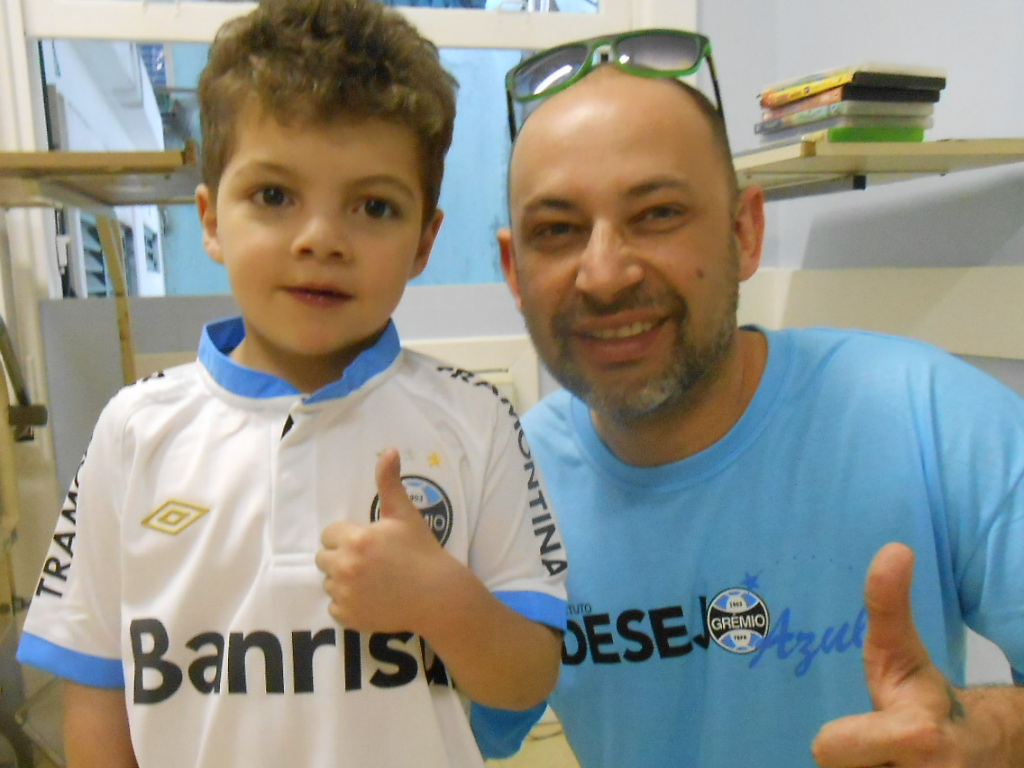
(378, 208)
(272, 197)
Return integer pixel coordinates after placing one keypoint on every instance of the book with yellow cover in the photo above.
(905, 100)
(873, 74)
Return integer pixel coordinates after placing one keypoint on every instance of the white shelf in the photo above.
(98, 179)
(812, 167)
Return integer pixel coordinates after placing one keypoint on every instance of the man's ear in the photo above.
(508, 263)
(426, 244)
(749, 229)
(207, 208)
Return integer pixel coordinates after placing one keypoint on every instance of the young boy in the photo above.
(253, 583)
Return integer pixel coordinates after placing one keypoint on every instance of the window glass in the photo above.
(472, 194)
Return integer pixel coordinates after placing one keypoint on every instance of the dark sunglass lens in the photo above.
(660, 51)
(548, 71)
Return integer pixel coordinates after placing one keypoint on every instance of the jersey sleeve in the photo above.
(517, 549)
(500, 733)
(73, 624)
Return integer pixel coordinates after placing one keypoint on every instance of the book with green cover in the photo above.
(848, 134)
(843, 107)
(840, 114)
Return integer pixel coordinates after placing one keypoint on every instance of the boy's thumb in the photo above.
(394, 501)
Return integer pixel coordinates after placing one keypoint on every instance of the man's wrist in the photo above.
(993, 717)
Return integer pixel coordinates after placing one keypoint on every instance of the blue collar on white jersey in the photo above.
(222, 336)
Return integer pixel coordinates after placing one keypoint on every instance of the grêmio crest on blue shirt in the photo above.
(736, 620)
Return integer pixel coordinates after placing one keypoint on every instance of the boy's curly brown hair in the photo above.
(314, 61)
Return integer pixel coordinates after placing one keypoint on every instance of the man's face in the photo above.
(626, 250)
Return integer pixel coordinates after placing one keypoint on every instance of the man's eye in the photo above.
(660, 212)
(377, 208)
(553, 229)
(554, 236)
(272, 197)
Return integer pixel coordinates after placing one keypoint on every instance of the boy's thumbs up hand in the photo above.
(918, 717)
(395, 503)
(379, 575)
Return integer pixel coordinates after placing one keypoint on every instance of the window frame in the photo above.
(197, 22)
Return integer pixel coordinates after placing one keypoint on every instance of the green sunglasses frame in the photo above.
(611, 42)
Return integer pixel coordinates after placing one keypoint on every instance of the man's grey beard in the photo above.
(692, 363)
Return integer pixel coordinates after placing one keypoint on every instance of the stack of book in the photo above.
(866, 102)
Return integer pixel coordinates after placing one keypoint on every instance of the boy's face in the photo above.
(320, 228)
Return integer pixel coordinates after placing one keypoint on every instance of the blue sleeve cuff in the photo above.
(536, 606)
(78, 667)
(500, 733)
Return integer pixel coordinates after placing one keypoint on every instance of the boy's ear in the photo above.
(208, 219)
(508, 263)
(426, 244)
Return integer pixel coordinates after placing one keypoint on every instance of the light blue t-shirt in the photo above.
(716, 611)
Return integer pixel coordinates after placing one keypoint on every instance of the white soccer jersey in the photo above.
(182, 563)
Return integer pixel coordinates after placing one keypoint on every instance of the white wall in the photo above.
(968, 218)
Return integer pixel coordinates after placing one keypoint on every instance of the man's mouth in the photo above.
(621, 332)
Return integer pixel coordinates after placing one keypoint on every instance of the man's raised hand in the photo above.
(918, 720)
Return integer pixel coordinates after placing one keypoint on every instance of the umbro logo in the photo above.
(173, 517)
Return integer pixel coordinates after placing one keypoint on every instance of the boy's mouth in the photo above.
(318, 294)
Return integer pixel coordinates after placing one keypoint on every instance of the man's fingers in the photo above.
(856, 741)
(887, 591)
(893, 650)
(873, 738)
(910, 696)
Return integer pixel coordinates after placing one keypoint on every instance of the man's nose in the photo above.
(608, 265)
(321, 235)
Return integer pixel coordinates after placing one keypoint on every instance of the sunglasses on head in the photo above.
(669, 53)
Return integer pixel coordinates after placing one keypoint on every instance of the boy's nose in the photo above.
(608, 265)
(321, 235)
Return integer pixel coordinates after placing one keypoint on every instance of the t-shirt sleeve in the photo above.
(73, 624)
(517, 549)
(978, 428)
